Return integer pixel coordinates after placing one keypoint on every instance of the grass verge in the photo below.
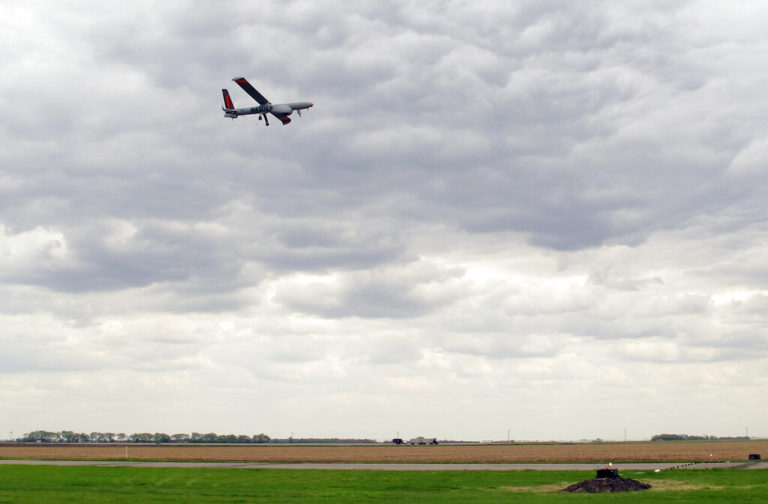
(46, 484)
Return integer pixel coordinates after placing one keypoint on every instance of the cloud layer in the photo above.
(544, 215)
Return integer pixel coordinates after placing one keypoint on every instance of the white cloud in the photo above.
(526, 211)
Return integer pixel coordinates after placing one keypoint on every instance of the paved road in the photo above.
(395, 467)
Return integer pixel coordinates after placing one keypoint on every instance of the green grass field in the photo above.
(49, 484)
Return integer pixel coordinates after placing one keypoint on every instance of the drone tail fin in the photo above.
(228, 105)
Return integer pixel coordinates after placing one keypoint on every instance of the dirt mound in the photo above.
(604, 485)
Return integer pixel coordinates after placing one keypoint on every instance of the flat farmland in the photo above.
(704, 451)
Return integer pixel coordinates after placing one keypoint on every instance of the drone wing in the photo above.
(251, 90)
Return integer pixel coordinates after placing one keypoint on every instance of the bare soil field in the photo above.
(699, 451)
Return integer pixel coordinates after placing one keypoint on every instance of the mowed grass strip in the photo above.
(702, 451)
(47, 484)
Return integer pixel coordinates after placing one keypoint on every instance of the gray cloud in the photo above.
(488, 203)
(408, 291)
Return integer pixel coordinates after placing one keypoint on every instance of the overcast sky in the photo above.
(545, 218)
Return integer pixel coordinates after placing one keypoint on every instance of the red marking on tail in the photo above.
(227, 100)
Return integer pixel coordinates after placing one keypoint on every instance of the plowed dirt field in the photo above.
(514, 453)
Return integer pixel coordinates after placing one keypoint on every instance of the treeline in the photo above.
(686, 437)
(142, 437)
(323, 441)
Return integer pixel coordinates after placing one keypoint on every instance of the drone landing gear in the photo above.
(264, 116)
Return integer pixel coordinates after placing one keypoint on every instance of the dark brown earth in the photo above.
(606, 485)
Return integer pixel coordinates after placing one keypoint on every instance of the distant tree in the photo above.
(260, 438)
(678, 437)
(141, 437)
(40, 436)
(180, 438)
(102, 437)
(72, 437)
